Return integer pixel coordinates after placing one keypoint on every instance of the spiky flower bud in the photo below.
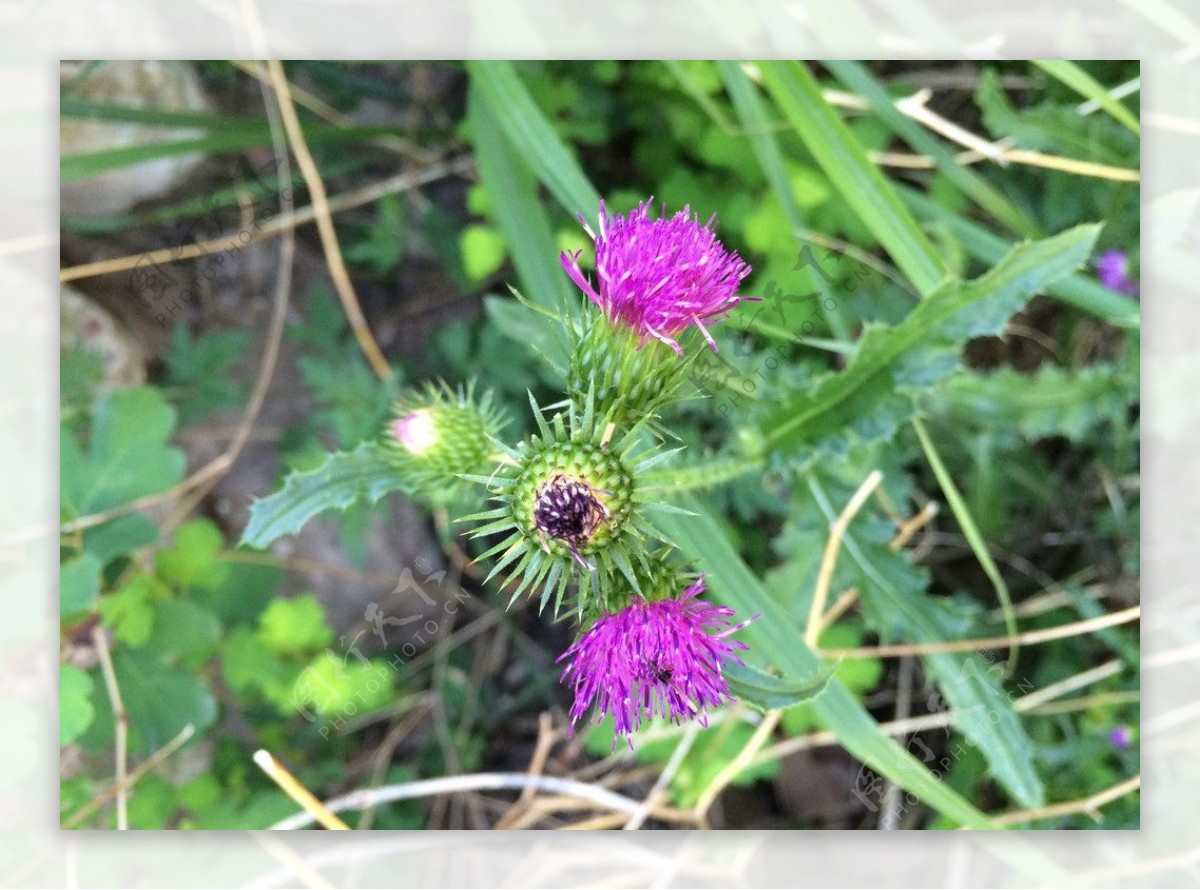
(440, 435)
(569, 500)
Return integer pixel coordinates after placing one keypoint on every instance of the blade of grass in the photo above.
(518, 212)
(79, 166)
(974, 538)
(775, 637)
(856, 78)
(527, 129)
(1087, 86)
(753, 115)
(859, 181)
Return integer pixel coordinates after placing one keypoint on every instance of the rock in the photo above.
(85, 325)
(166, 86)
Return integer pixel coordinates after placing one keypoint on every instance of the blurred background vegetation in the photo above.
(447, 184)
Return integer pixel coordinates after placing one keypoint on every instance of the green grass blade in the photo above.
(775, 637)
(860, 183)
(1087, 86)
(526, 127)
(971, 532)
(520, 215)
(80, 166)
(856, 78)
(754, 118)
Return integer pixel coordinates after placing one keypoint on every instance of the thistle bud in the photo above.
(440, 435)
(568, 501)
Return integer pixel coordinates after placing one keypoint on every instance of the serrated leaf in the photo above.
(766, 692)
(79, 584)
(1052, 401)
(871, 397)
(119, 537)
(367, 474)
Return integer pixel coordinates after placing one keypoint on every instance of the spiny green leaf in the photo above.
(870, 398)
(367, 473)
(765, 692)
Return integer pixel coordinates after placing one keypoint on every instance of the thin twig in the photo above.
(314, 810)
(1027, 638)
(840, 607)
(329, 239)
(733, 769)
(829, 559)
(356, 800)
(634, 822)
(120, 722)
(537, 765)
(138, 771)
(284, 222)
(1090, 805)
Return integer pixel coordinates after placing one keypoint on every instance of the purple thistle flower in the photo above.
(660, 276)
(1112, 268)
(654, 659)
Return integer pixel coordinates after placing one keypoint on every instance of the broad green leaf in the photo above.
(334, 683)
(986, 715)
(120, 537)
(183, 630)
(532, 135)
(776, 640)
(127, 456)
(294, 625)
(79, 584)
(869, 399)
(161, 699)
(1078, 290)
(766, 692)
(130, 610)
(367, 474)
(191, 561)
(857, 180)
(75, 710)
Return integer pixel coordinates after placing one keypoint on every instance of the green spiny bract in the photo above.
(632, 381)
(571, 504)
(440, 435)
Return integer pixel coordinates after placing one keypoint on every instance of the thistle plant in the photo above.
(570, 502)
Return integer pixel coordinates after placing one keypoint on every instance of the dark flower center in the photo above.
(568, 511)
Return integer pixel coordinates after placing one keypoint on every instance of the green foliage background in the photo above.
(911, 318)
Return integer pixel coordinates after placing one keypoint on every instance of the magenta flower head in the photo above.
(660, 276)
(654, 659)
